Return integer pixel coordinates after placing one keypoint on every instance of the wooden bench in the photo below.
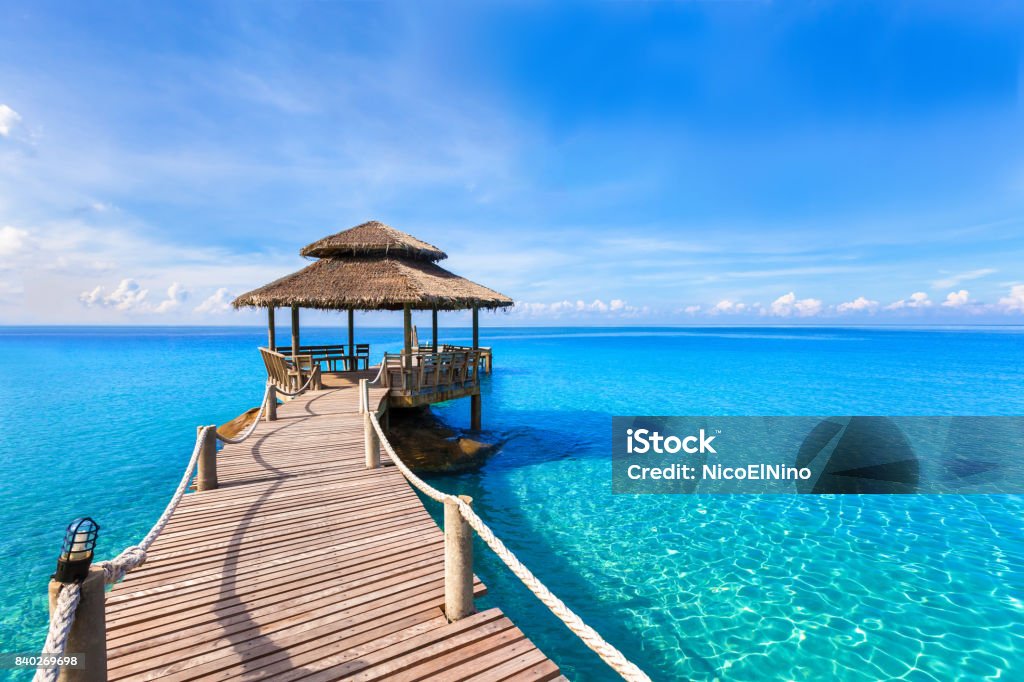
(288, 373)
(328, 356)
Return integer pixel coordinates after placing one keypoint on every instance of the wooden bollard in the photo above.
(271, 414)
(206, 478)
(88, 635)
(458, 562)
(371, 441)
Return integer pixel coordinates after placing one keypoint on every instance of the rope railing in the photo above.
(291, 394)
(255, 422)
(114, 570)
(609, 654)
(60, 627)
(132, 557)
(380, 372)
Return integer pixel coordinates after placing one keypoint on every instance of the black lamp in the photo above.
(76, 553)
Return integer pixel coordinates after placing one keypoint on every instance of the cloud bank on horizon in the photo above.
(850, 164)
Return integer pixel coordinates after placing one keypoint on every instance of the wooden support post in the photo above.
(476, 327)
(271, 329)
(406, 345)
(433, 335)
(295, 331)
(407, 328)
(371, 441)
(88, 636)
(458, 562)
(475, 418)
(206, 478)
(351, 339)
(271, 413)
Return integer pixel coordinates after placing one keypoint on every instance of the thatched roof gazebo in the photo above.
(373, 267)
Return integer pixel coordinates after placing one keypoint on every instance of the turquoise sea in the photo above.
(101, 421)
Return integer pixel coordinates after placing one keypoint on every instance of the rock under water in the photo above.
(427, 444)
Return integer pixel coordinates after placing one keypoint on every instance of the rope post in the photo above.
(206, 479)
(271, 403)
(371, 441)
(458, 562)
(88, 635)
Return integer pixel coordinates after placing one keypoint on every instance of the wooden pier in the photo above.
(302, 555)
(303, 564)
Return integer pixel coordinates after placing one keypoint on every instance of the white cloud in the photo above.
(859, 304)
(956, 299)
(953, 280)
(727, 307)
(1014, 303)
(788, 304)
(616, 307)
(9, 118)
(10, 292)
(691, 309)
(128, 296)
(918, 299)
(218, 303)
(176, 295)
(12, 241)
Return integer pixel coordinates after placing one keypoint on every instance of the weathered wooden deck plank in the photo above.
(305, 565)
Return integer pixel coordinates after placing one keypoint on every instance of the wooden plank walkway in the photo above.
(304, 565)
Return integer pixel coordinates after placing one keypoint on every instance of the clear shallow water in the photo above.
(730, 588)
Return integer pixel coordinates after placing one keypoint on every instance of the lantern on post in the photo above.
(77, 551)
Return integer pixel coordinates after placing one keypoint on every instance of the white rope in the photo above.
(300, 390)
(380, 372)
(134, 556)
(60, 625)
(612, 656)
(255, 422)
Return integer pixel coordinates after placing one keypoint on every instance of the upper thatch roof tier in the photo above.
(373, 239)
(373, 283)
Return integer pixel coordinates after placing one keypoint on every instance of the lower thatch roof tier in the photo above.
(373, 283)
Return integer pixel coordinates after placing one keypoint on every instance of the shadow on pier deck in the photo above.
(304, 564)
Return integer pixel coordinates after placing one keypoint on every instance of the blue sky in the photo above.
(612, 163)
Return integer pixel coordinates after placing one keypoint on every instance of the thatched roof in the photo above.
(373, 239)
(373, 283)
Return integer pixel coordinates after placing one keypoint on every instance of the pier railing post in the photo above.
(272, 403)
(88, 635)
(458, 562)
(371, 441)
(206, 478)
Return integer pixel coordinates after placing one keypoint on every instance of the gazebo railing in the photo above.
(484, 352)
(418, 372)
